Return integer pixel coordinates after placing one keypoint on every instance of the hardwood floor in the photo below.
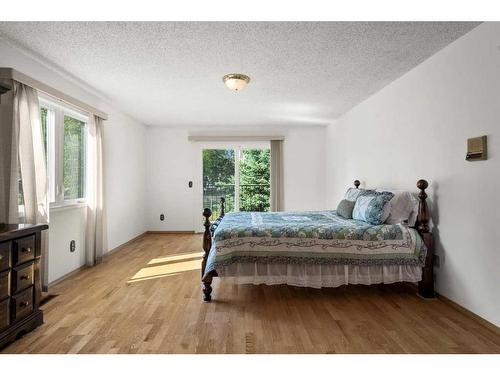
(146, 298)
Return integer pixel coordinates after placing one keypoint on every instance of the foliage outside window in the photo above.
(74, 158)
(249, 192)
(44, 112)
(255, 174)
(218, 179)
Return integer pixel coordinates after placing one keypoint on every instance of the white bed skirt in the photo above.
(317, 275)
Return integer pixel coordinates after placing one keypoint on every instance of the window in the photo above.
(218, 179)
(64, 132)
(255, 177)
(240, 175)
(74, 155)
(44, 114)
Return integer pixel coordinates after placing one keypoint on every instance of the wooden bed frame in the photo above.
(425, 286)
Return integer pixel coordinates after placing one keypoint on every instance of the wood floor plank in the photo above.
(146, 298)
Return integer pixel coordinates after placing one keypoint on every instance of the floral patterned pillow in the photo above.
(352, 193)
(370, 208)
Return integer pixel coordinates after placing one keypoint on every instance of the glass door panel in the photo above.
(241, 176)
(218, 180)
(254, 180)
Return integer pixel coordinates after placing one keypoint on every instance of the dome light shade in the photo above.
(236, 81)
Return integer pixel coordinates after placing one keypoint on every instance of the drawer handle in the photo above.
(24, 304)
(26, 250)
(24, 277)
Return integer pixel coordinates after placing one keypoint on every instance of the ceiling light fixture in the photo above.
(236, 81)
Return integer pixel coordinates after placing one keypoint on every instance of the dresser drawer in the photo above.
(22, 304)
(24, 249)
(4, 255)
(4, 314)
(4, 285)
(22, 277)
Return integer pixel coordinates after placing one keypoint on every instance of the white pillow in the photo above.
(402, 207)
(352, 194)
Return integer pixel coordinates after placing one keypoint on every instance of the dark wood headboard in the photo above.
(422, 223)
(426, 286)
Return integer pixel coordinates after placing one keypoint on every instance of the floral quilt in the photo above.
(316, 237)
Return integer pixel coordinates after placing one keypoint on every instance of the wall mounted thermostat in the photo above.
(477, 149)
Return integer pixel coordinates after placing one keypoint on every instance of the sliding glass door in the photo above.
(254, 180)
(240, 175)
(218, 179)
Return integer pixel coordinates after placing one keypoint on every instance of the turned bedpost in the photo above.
(423, 211)
(207, 238)
(426, 285)
(222, 206)
(207, 244)
(357, 183)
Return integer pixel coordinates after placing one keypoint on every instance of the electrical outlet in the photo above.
(437, 261)
(162, 217)
(72, 246)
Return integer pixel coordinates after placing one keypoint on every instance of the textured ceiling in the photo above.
(170, 73)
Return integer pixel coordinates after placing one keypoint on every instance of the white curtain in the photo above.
(94, 242)
(26, 118)
(24, 158)
(277, 196)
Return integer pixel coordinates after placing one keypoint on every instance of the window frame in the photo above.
(55, 152)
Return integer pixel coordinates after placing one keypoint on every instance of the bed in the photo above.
(316, 249)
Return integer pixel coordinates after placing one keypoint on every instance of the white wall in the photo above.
(65, 225)
(124, 151)
(125, 175)
(173, 161)
(170, 166)
(417, 127)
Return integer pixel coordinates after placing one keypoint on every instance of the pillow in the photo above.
(402, 207)
(345, 208)
(352, 193)
(412, 219)
(370, 208)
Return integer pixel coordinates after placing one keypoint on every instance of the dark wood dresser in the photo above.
(20, 283)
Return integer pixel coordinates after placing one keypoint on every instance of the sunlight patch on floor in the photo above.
(136, 279)
(164, 270)
(174, 258)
